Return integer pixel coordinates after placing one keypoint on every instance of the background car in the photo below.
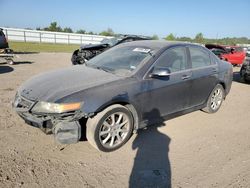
(245, 71)
(3, 41)
(5, 52)
(248, 52)
(126, 88)
(233, 54)
(86, 52)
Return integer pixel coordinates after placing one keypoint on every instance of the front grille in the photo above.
(22, 103)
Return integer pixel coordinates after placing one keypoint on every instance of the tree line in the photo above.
(56, 28)
(199, 38)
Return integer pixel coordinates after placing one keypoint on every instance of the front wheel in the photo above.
(110, 129)
(215, 99)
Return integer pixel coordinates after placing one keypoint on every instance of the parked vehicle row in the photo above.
(125, 88)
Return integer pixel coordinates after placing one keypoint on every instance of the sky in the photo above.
(213, 18)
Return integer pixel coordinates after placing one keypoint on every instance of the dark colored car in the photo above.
(86, 52)
(233, 54)
(3, 41)
(245, 71)
(124, 89)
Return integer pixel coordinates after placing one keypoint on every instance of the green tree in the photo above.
(67, 30)
(81, 31)
(90, 33)
(170, 37)
(199, 38)
(53, 27)
(185, 39)
(108, 32)
(155, 37)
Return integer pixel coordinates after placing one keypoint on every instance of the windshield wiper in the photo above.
(106, 69)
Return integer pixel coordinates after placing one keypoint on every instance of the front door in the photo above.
(167, 94)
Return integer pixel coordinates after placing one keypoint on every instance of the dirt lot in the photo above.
(196, 150)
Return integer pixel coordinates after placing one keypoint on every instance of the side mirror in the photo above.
(160, 73)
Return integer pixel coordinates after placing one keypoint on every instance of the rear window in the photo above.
(1, 33)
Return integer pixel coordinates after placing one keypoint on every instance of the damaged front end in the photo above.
(63, 122)
(85, 53)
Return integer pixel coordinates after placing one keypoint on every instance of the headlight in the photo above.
(45, 107)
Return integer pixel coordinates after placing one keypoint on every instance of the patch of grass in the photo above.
(42, 47)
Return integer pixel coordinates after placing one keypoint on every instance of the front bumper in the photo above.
(65, 126)
(45, 124)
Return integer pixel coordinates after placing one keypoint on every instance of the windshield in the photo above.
(111, 41)
(121, 61)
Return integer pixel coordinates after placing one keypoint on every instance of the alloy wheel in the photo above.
(114, 130)
(216, 99)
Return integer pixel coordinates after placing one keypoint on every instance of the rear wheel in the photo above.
(110, 129)
(215, 99)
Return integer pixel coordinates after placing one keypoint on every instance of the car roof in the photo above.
(155, 44)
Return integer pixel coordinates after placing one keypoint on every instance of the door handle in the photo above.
(185, 77)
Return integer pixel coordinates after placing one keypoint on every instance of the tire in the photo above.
(10, 61)
(215, 99)
(110, 129)
(244, 79)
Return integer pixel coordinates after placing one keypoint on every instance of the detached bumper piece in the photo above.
(68, 132)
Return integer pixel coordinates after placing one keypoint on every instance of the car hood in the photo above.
(93, 46)
(52, 86)
(211, 46)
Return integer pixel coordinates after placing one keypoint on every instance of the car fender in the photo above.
(93, 107)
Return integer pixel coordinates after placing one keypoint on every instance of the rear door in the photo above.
(204, 75)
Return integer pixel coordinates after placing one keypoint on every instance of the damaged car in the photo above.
(126, 88)
(233, 54)
(86, 52)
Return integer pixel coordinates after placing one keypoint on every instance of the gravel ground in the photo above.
(194, 150)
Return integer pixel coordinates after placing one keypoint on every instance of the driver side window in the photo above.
(173, 59)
